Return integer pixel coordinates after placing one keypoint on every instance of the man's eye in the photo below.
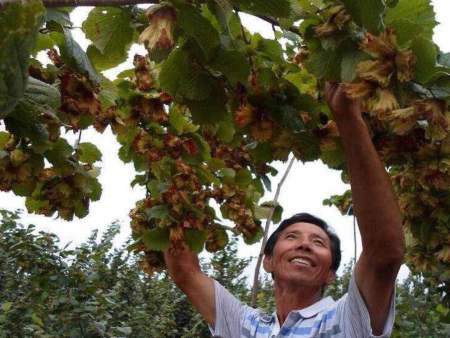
(290, 236)
(319, 242)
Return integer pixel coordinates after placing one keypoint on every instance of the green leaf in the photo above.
(94, 189)
(156, 239)
(19, 24)
(307, 147)
(4, 138)
(58, 16)
(227, 175)
(34, 205)
(350, 60)
(212, 109)
(426, 54)
(60, 151)
(304, 81)
(157, 212)
(216, 164)
(243, 178)
(226, 131)
(256, 236)
(36, 319)
(180, 122)
(275, 8)
(195, 239)
(325, 64)
(88, 153)
(218, 240)
(6, 306)
(262, 153)
(108, 93)
(333, 156)
(264, 210)
(199, 28)
(109, 28)
(411, 18)
(182, 79)
(105, 61)
(203, 147)
(74, 55)
(24, 122)
(42, 94)
(271, 49)
(366, 13)
(233, 65)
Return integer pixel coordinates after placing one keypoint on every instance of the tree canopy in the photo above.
(96, 290)
(210, 106)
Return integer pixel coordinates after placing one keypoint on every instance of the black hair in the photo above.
(308, 218)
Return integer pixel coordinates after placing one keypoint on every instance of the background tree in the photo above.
(210, 106)
(95, 290)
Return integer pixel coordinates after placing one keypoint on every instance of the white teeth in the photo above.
(301, 261)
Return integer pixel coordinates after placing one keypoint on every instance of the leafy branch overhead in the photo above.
(210, 106)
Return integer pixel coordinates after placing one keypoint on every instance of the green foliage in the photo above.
(18, 28)
(109, 29)
(367, 13)
(88, 153)
(96, 290)
(411, 18)
(204, 114)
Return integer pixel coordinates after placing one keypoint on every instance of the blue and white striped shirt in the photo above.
(347, 317)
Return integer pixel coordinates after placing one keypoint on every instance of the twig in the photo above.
(77, 142)
(266, 233)
(78, 3)
(275, 22)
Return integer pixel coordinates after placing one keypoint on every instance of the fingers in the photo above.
(330, 90)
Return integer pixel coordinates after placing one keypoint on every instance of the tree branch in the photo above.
(266, 233)
(78, 3)
(274, 22)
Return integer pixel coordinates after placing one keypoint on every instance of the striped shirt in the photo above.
(347, 317)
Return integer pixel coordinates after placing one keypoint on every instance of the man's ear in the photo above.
(267, 263)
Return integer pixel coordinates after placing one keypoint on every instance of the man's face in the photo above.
(302, 255)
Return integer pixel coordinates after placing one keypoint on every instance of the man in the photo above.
(303, 255)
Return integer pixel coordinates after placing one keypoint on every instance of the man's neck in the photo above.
(292, 297)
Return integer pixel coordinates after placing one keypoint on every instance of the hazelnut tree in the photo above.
(210, 106)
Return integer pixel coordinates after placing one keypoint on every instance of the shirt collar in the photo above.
(317, 307)
(307, 312)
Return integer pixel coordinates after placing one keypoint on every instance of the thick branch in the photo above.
(78, 3)
(266, 233)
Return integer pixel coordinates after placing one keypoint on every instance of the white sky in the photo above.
(303, 191)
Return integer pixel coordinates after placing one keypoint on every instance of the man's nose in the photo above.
(304, 244)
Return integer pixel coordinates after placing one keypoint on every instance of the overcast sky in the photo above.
(303, 191)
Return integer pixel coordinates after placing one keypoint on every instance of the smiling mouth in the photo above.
(301, 262)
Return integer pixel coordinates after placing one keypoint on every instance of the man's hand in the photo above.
(184, 269)
(341, 106)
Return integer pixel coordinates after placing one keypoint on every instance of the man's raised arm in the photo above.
(184, 269)
(375, 206)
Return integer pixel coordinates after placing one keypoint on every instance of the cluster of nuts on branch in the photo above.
(65, 190)
(375, 76)
(184, 196)
(80, 105)
(68, 194)
(17, 167)
(420, 190)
